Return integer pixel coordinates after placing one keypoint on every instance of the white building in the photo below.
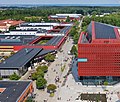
(70, 15)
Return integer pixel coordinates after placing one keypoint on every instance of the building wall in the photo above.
(99, 59)
(24, 95)
(6, 73)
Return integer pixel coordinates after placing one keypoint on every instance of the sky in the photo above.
(59, 1)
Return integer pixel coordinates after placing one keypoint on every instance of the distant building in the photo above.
(15, 40)
(5, 24)
(15, 91)
(99, 51)
(63, 17)
(38, 26)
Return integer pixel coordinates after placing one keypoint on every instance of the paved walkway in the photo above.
(54, 71)
(72, 90)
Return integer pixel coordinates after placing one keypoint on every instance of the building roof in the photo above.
(63, 16)
(104, 31)
(44, 52)
(16, 39)
(20, 59)
(55, 40)
(13, 90)
(100, 33)
(36, 24)
(11, 22)
(65, 29)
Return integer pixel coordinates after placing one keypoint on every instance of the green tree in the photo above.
(74, 50)
(41, 83)
(14, 77)
(75, 38)
(49, 57)
(43, 68)
(68, 19)
(105, 83)
(29, 99)
(12, 28)
(37, 74)
(51, 87)
(73, 31)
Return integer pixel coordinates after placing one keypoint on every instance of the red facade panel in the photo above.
(102, 59)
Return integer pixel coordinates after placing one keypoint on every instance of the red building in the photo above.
(99, 50)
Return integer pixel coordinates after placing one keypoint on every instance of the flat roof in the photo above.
(65, 29)
(104, 31)
(16, 39)
(64, 16)
(36, 24)
(36, 30)
(44, 52)
(55, 40)
(13, 90)
(20, 59)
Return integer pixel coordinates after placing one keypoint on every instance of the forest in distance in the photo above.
(38, 14)
(35, 14)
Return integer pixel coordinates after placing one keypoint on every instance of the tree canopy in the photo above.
(37, 74)
(49, 57)
(51, 87)
(41, 83)
(43, 68)
(68, 19)
(74, 50)
(14, 77)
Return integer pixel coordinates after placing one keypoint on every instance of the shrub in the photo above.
(51, 94)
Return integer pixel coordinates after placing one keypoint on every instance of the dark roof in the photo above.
(44, 52)
(65, 29)
(20, 59)
(55, 40)
(16, 39)
(13, 90)
(104, 31)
